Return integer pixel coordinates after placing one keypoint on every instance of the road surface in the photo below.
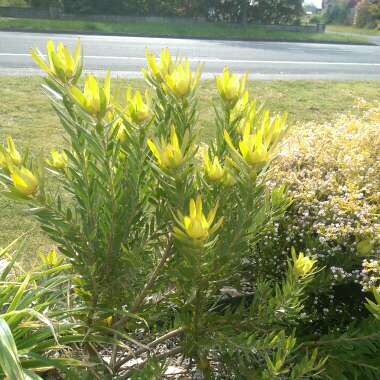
(263, 60)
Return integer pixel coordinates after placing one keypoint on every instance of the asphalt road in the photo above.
(263, 60)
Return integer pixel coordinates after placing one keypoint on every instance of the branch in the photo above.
(167, 354)
(149, 346)
(140, 298)
(153, 277)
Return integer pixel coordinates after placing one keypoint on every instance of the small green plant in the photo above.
(34, 320)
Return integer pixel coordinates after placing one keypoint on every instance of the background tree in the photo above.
(44, 3)
(368, 14)
(235, 11)
(276, 11)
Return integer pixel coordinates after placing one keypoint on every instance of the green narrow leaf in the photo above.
(20, 292)
(29, 375)
(9, 361)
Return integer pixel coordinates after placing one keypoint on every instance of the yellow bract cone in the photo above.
(58, 159)
(257, 144)
(94, 99)
(230, 86)
(13, 153)
(60, 63)
(213, 169)
(196, 226)
(137, 108)
(302, 265)
(169, 154)
(159, 70)
(182, 81)
(24, 181)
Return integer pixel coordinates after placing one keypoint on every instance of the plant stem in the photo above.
(140, 298)
(153, 344)
(164, 355)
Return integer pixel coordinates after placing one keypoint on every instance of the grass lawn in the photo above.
(177, 29)
(13, 3)
(26, 114)
(352, 29)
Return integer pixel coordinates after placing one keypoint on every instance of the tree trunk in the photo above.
(244, 11)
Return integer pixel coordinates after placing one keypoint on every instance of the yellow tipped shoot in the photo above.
(60, 63)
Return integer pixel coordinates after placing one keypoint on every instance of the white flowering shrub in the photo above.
(332, 173)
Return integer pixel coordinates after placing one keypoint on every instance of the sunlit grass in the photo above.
(352, 29)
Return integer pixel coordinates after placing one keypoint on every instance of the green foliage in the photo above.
(368, 14)
(374, 306)
(44, 3)
(265, 11)
(352, 354)
(34, 318)
(138, 7)
(262, 11)
(9, 356)
(338, 12)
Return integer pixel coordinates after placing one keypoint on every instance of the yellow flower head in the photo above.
(248, 112)
(12, 152)
(169, 154)
(273, 128)
(196, 225)
(137, 107)
(213, 169)
(241, 106)
(230, 86)
(229, 179)
(24, 181)
(252, 148)
(52, 259)
(302, 265)
(95, 99)
(58, 159)
(60, 63)
(121, 134)
(159, 70)
(181, 80)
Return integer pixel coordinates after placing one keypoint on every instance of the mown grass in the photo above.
(177, 29)
(13, 3)
(26, 114)
(352, 29)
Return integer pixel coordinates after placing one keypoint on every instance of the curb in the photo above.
(184, 37)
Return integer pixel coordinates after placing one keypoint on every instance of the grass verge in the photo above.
(27, 115)
(177, 29)
(352, 29)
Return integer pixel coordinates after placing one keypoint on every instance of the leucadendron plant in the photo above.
(157, 227)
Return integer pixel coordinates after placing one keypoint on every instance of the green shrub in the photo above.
(364, 17)
(338, 12)
(161, 231)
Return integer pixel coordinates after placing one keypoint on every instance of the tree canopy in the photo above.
(264, 11)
